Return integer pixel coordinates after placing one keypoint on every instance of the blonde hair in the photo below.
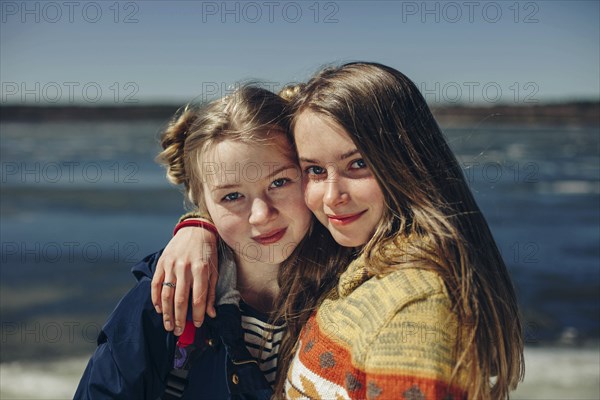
(291, 91)
(249, 115)
(426, 196)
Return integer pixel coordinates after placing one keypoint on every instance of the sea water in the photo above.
(82, 201)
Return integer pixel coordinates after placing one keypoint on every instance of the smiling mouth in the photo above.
(270, 237)
(345, 219)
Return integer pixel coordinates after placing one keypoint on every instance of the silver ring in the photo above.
(169, 284)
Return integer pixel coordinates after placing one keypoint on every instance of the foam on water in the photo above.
(551, 373)
(560, 373)
(570, 187)
(41, 380)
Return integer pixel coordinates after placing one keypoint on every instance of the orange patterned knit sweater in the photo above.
(379, 338)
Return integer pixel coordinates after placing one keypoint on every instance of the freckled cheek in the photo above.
(369, 191)
(300, 217)
(231, 230)
(374, 196)
(294, 209)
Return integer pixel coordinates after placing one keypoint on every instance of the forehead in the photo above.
(239, 162)
(273, 146)
(316, 134)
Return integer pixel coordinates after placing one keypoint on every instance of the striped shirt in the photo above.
(262, 339)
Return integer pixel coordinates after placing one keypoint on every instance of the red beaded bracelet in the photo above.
(198, 224)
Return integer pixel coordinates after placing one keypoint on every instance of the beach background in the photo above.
(82, 199)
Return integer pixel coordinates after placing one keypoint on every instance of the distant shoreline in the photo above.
(584, 113)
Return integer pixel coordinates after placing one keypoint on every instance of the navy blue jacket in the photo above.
(135, 354)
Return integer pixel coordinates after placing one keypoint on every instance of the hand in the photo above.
(189, 261)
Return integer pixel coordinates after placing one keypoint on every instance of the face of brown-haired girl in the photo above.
(339, 187)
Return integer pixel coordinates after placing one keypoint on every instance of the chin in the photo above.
(346, 241)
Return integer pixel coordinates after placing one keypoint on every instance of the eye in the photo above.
(277, 183)
(232, 196)
(314, 170)
(358, 164)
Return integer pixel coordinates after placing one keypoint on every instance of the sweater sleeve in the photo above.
(412, 355)
(134, 353)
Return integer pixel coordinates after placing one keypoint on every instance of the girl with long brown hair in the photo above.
(426, 309)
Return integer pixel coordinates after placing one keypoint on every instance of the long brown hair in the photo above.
(252, 114)
(427, 195)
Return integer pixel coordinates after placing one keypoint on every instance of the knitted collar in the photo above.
(396, 249)
(354, 276)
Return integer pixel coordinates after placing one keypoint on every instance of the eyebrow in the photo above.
(347, 154)
(272, 174)
(282, 168)
(221, 187)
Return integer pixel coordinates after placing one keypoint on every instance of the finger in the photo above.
(156, 285)
(167, 302)
(182, 294)
(214, 277)
(200, 285)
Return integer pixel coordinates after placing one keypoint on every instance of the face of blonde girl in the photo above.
(339, 187)
(253, 193)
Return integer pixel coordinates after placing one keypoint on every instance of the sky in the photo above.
(148, 52)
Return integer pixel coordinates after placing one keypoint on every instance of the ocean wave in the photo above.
(557, 373)
(569, 187)
(41, 380)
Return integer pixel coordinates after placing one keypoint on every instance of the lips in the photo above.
(345, 219)
(270, 237)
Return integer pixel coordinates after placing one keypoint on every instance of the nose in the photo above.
(335, 193)
(261, 212)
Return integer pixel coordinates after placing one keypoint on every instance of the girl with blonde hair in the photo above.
(235, 161)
